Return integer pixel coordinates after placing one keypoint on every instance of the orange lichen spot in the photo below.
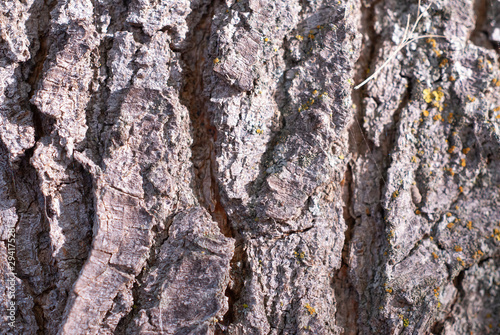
(478, 254)
(458, 248)
(469, 225)
(310, 309)
(437, 117)
(459, 259)
(315, 92)
(471, 98)
(425, 113)
(448, 214)
(451, 149)
(435, 255)
(461, 189)
(395, 194)
(431, 238)
(432, 42)
(266, 39)
(414, 159)
(496, 234)
(465, 150)
(451, 78)
(436, 292)
(311, 36)
(443, 63)
(494, 81)
(462, 162)
(388, 290)
(259, 131)
(367, 211)
(418, 212)
(450, 225)
(299, 37)
(216, 61)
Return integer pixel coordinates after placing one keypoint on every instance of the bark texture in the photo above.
(206, 167)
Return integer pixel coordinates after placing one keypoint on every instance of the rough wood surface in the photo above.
(206, 167)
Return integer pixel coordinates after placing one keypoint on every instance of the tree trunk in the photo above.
(207, 167)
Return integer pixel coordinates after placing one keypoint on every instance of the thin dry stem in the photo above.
(404, 42)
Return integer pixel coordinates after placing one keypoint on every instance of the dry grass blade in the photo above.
(404, 42)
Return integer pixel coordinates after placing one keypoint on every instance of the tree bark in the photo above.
(207, 167)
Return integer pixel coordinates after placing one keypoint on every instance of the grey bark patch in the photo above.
(186, 167)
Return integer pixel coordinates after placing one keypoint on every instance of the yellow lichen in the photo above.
(310, 309)
(458, 248)
(438, 94)
(435, 255)
(450, 225)
(469, 225)
(427, 95)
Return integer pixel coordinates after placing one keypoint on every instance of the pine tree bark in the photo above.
(207, 167)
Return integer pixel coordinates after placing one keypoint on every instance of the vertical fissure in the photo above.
(194, 58)
(479, 36)
(345, 293)
(24, 176)
(205, 186)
